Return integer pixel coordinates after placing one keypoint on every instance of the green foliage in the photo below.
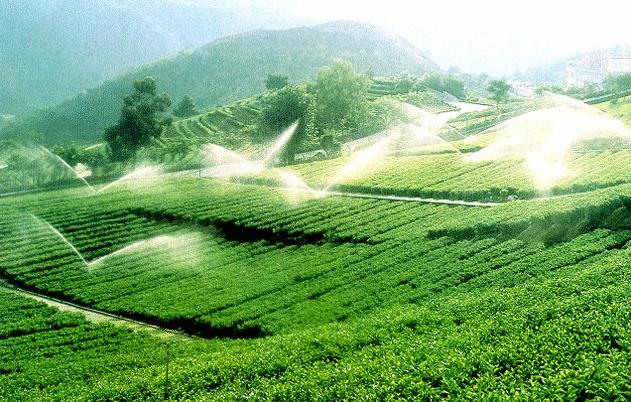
(283, 108)
(276, 81)
(426, 100)
(387, 112)
(340, 96)
(216, 73)
(330, 144)
(444, 83)
(434, 81)
(405, 84)
(186, 108)
(524, 300)
(438, 172)
(618, 82)
(454, 87)
(475, 122)
(139, 121)
(499, 90)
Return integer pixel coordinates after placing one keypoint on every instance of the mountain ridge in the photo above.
(233, 68)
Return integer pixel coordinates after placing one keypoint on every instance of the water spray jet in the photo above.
(65, 164)
(280, 143)
(544, 138)
(61, 236)
(139, 173)
(162, 242)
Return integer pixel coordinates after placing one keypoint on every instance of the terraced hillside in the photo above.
(288, 294)
(441, 293)
(227, 126)
(472, 123)
(426, 99)
(231, 125)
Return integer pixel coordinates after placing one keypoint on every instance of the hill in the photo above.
(231, 125)
(51, 50)
(331, 298)
(266, 290)
(234, 68)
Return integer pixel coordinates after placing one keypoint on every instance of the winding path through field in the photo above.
(412, 199)
(91, 314)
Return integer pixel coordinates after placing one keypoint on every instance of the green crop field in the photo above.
(218, 200)
(328, 298)
(247, 289)
(418, 176)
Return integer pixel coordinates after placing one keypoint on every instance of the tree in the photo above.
(139, 121)
(186, 108)
(330, 144)
(433, 81)
(340, 94)
(386, 112)
(623, 82)
(499, 90)
(274, 82)
(453, 86)
(618, 83)
(405, 84)
(282, 109)
(448, 84)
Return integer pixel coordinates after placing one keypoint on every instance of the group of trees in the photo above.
(618, 83)
(329, 110)
(443, 83)
(335, 107)
(437, 82)
(143, 117)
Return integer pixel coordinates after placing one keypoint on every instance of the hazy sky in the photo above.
(480, 35)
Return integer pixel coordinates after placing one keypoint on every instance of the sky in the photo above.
(497, 37)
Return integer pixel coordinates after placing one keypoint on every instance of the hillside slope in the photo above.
(53, 49)
(234, 68)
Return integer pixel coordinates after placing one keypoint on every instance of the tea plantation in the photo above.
(283, 295)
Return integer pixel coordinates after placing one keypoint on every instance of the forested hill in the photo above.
(51, 50)
(233, 68)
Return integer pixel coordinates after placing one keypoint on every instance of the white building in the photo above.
(594, 67)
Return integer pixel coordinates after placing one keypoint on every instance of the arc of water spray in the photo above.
(63, 162)
(231, 163)
(284, 138)
(61, 236)
(360, 160)
(131, 247)
(173, 243)
(428, 124)
(138, 173)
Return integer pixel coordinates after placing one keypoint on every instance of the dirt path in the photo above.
(91, 314)
(412, 199)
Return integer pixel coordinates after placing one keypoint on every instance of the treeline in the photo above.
(335, 107)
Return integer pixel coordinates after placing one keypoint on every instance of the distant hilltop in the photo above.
(235, 67)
